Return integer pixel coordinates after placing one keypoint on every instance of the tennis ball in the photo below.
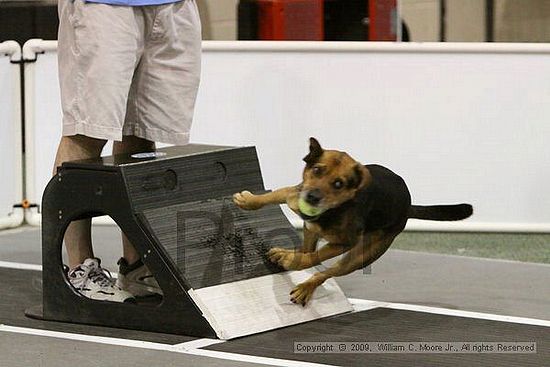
(309, 210)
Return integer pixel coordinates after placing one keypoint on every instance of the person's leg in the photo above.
(99, 48)
(129, 145)
(78, 239)
(85, 273)
(133, 276)
(160, 104)
(164, 90)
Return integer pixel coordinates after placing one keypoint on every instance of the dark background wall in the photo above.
(22, 20)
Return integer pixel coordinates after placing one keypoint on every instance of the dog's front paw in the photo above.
(247, 200)
(302, 293)
(289, 259)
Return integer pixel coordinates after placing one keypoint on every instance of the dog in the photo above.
(359, 210)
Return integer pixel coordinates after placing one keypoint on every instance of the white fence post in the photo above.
(11, 197)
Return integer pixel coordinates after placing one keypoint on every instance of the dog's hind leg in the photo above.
(362, 254)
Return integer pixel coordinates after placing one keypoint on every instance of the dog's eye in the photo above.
(338, 184)
(317, 170)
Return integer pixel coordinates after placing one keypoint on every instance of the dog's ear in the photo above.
(356, 178)
(315, 152)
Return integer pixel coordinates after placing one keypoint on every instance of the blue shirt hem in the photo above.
(133, 2)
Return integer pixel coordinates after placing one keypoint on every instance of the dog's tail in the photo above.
(441, 212)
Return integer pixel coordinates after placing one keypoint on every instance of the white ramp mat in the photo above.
(259, 304)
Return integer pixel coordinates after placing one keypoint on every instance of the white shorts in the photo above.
(129, 70)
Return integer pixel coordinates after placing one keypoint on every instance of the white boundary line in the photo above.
(88, 338)
(363, 305)
(183, 348)
(14, 265)
(193, 347)
(199, 343)
(255, 359)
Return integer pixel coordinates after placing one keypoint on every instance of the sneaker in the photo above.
(137, 279)
(94, 282)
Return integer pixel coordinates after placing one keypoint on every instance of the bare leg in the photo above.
(129, 145)
(78, 237)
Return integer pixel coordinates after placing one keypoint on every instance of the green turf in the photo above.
(510, 246)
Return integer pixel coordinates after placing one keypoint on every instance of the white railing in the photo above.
(10, 136)
(460, 122)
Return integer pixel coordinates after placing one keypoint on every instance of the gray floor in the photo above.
(472, 284)
(457, 282)
(46, 351)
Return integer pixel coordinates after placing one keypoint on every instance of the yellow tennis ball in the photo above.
(308, 210)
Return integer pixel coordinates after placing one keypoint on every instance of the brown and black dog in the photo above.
(363, 208)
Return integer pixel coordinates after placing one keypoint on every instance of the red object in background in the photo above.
(334, 20)
(290, 20)
(382, 20)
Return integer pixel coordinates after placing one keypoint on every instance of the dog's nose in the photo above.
(313, 197)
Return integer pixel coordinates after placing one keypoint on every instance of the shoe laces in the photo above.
(101, 276)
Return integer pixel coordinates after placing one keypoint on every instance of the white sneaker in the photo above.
(94, 282)
(137, 279)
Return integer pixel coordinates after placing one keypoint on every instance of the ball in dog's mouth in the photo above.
(310, 211)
